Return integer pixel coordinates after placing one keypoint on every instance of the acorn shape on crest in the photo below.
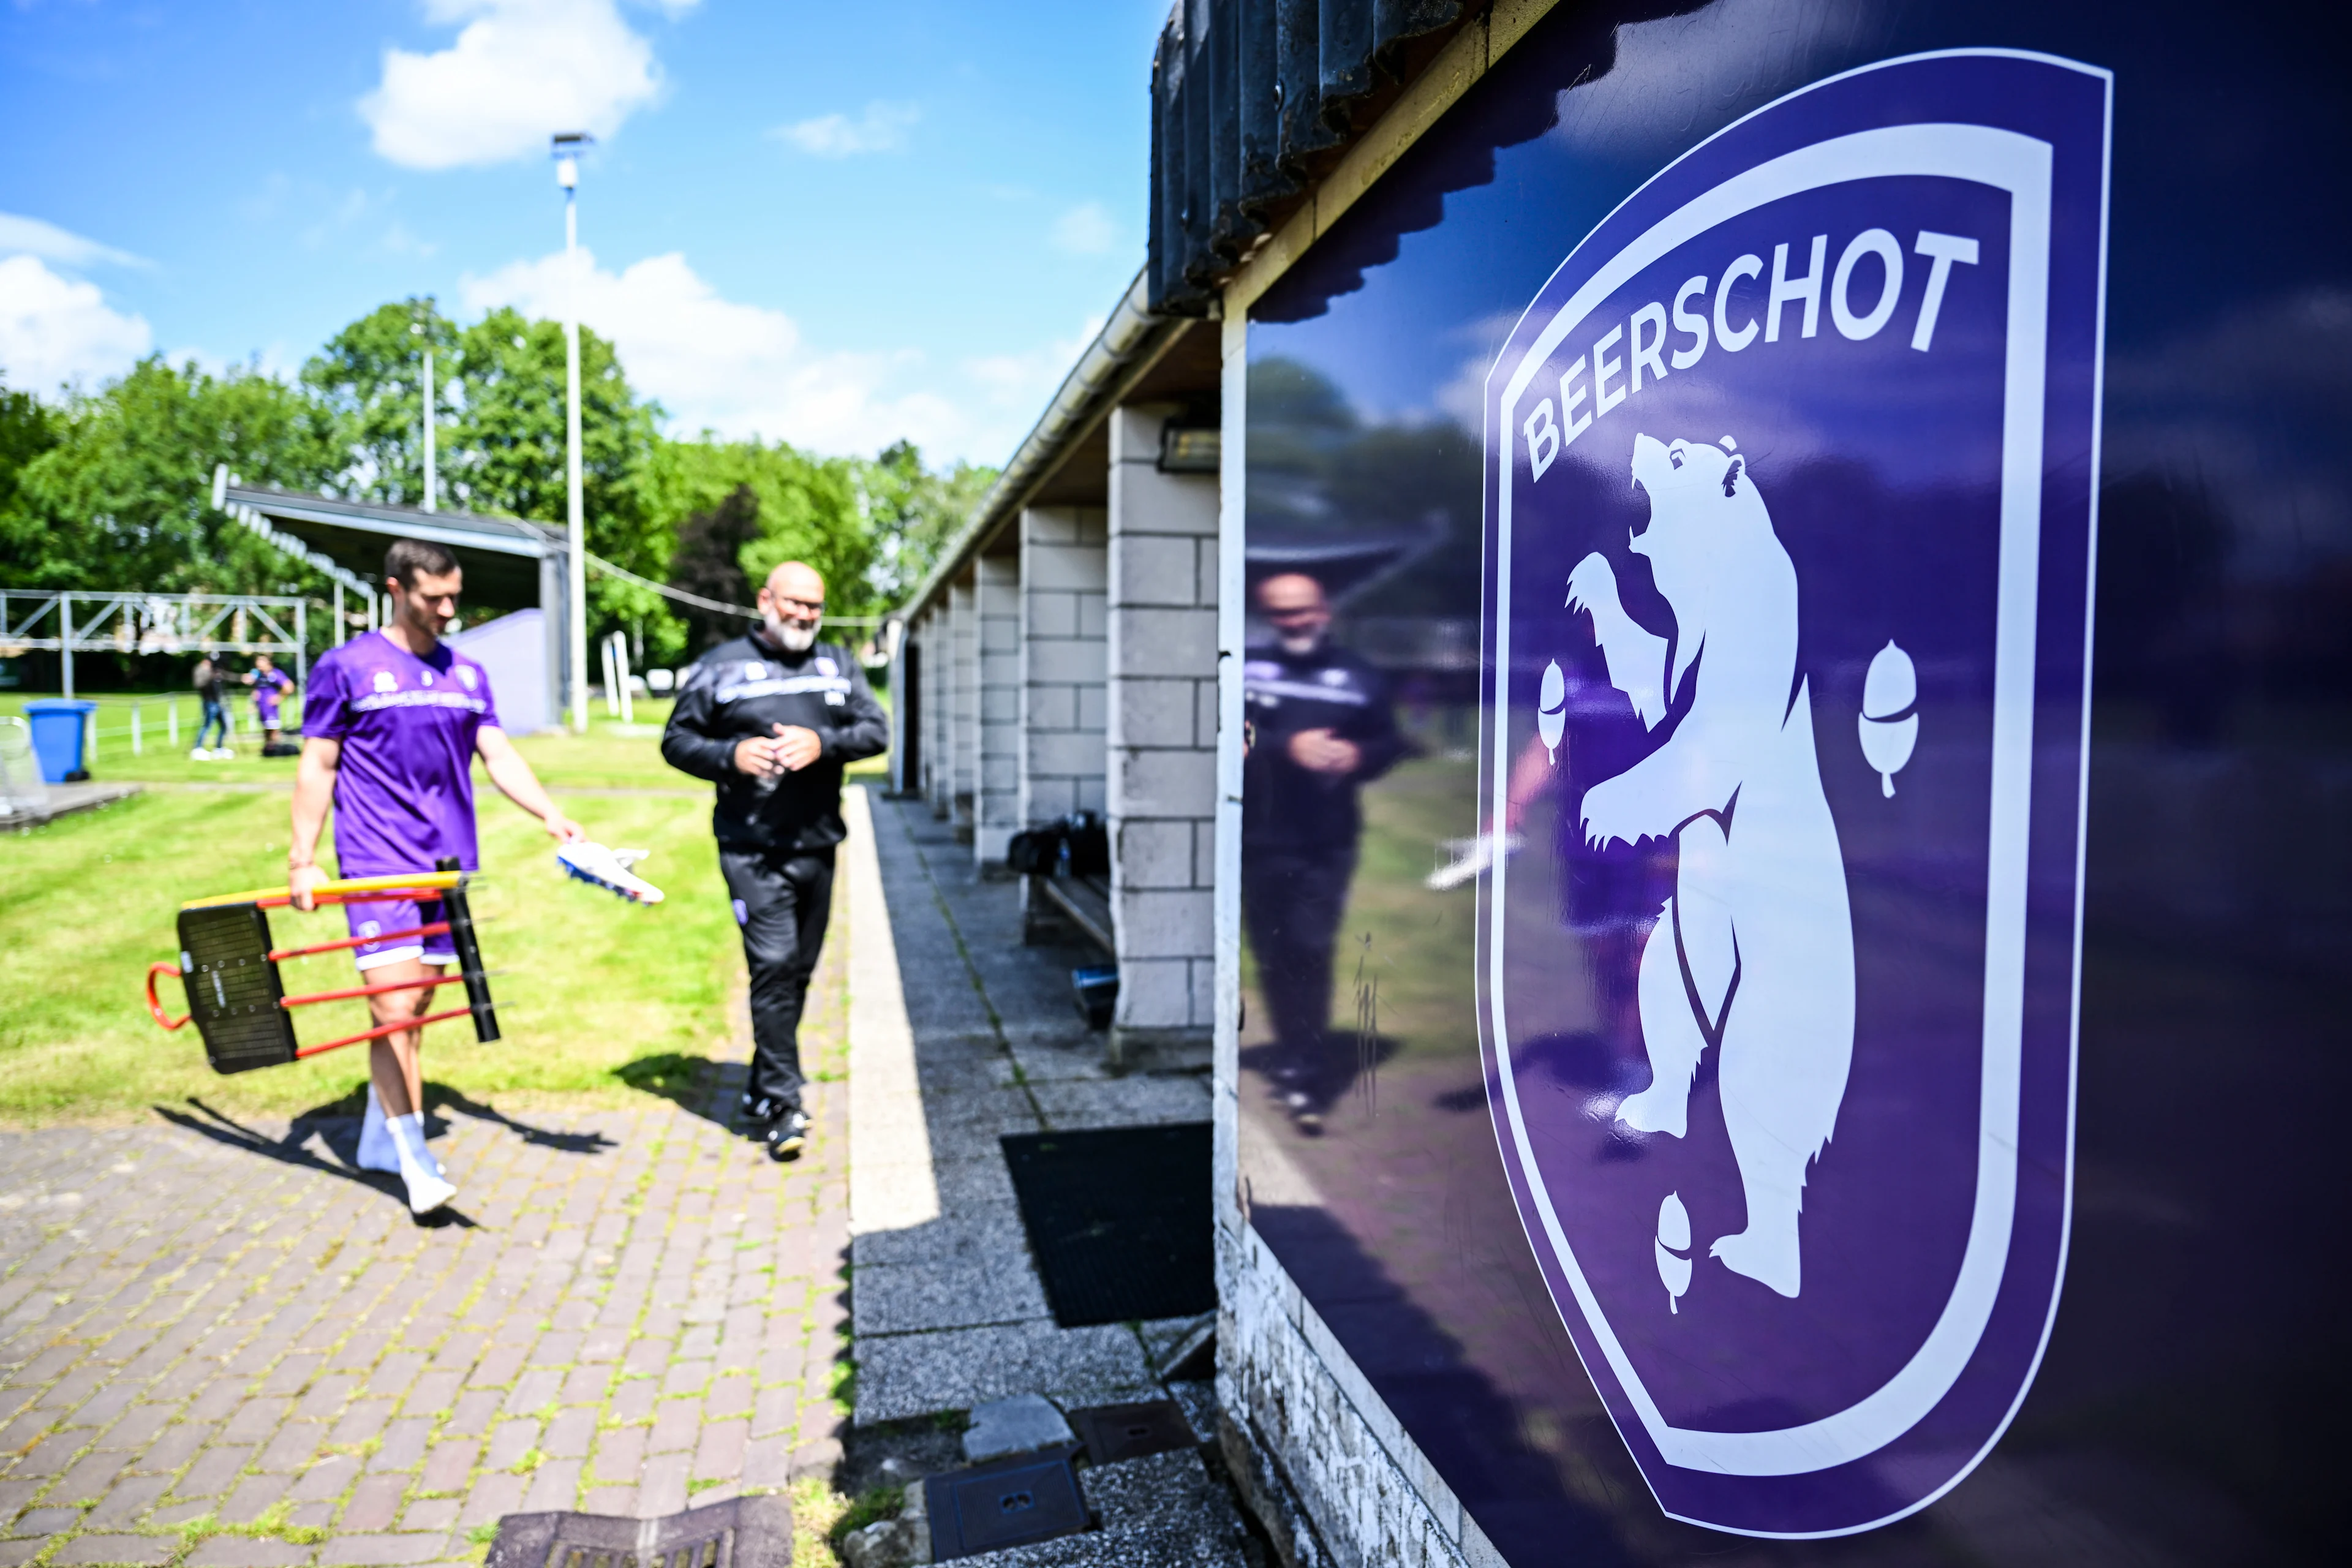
(1673, 1239)
(1552, 710)
(1889, 722)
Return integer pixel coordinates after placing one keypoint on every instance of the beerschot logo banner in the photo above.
(1790, 486)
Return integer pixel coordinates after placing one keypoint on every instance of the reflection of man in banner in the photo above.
(1319, 728)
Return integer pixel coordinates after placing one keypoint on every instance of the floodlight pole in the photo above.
(432, 487)
(417, 328)
(567, 174)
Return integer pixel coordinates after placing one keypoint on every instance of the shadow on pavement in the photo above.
(339, 1130)
(336, 1127)
(696, 1085)
(438, 1098)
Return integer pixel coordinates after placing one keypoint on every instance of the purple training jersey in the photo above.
(405, 789)
(268, 689)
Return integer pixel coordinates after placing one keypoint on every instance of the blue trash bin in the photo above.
(57, 726)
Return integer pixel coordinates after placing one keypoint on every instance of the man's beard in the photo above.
(1300, 647)
(790, 637)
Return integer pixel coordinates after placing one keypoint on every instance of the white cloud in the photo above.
(1463, 398)
(744, 370)
(55, 330)
(33, 236)
(882, 128)
(520, 71)
(1022, 382)
(1086, 229)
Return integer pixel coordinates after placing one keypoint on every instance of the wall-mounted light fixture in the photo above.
(1189, 448)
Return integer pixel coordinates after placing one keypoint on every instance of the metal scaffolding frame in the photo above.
(152, 622)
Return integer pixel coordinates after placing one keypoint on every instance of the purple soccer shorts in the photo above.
(373, 917)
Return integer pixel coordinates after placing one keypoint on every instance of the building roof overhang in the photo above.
(500, 555)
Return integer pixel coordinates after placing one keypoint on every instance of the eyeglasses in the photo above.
(806, 606)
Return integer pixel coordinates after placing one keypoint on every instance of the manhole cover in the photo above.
(1116, 1432)
(745, 1532)
(1008, 1503)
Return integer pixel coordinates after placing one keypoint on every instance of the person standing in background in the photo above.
(270, 686)
(212, 690)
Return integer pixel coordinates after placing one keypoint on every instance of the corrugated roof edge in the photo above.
(1131, 334)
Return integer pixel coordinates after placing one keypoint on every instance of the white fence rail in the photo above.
(67, 622)
(134, 725)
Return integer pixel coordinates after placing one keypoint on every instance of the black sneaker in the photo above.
(761, 1110)
(788, 1134)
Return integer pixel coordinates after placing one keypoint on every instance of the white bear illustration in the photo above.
(1753, 955)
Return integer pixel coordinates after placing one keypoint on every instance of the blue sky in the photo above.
(837, 225)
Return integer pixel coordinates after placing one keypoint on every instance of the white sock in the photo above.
(376, 1151)
(427, 1189)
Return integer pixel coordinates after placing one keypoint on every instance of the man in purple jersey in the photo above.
(271, 686)
(391, 727)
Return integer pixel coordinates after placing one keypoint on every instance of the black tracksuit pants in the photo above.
(782, 902)
(1292, 903)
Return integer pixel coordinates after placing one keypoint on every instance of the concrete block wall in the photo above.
(1322, 1460)
(941, 678)
(1064, 575)
(996, 799)
(1161, 735)
(963, 699)
(904, 707)
(931, 708)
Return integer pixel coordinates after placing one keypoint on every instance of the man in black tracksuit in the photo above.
(1319, 728)
(772, 717)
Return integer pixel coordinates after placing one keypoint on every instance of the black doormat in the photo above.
(1120, 1220)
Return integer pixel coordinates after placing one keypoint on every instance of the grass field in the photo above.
(611, 756)
(597, 997)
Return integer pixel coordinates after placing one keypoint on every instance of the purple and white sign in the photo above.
(1789, 509)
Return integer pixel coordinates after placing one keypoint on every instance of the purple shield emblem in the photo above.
(1789, 518)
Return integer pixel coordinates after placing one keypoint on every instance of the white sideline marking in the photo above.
(891, 1186)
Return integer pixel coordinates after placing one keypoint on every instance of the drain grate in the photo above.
(745, 1532)
(1120, 1220)
(1008, 1503)
(1117, 1431)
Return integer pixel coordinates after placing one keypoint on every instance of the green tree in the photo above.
(507, 447)
(371, 374)
(123, 499)
(708, 563)
(911, 513)
(807, 507)
(508, 439)
(28, 429)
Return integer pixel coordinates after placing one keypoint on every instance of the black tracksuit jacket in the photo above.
(744, 688)
(1286, 808)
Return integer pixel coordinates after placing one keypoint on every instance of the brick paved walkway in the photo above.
(219, 1345)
